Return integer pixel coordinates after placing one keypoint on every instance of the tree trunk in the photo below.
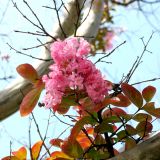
(147, 150)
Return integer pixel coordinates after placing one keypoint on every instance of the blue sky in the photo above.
(15, 128)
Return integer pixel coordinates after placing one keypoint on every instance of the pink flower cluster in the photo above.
(72, 70)
(108, 39)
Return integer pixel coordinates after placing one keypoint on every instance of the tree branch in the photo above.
(147, 150)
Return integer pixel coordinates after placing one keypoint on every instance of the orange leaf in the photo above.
(28, 72)
(30, 101)
(10, 158)
(133, 94)
(36, 148)
(83, 139)
(156, 112)
(148, 93)
(58, 154)
(21, 154)
(150, 108)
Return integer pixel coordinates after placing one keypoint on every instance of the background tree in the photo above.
(12, 96)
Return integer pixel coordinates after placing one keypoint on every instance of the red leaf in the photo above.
(113, 111)
(123, 101)
(21, 154)
(30, 101)
(131, 130)
(56, 142)
(148, 93)
(133, 94)
(36, 148)
(28, 72)
(143, 128)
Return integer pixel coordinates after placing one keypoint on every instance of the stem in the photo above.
(109, 144)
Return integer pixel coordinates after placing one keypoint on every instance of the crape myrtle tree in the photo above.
(72, 82)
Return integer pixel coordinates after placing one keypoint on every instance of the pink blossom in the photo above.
(5, 57)
(63, 52)
(108, 39)
(72, 70)
(95, 86)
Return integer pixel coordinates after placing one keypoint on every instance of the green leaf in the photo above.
(97, 155)
(79, 125)
(130, 143)
(122, 135)
(133, 94)
(113, 119)
(99, 139)
(72, 148)
(65, 104)
(104, 127)
(131, 130)
(142, 117)
(148, 93)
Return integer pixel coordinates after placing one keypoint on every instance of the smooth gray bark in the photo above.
(147, 150)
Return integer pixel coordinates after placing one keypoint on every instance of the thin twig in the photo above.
(59, 21)
(40, 135)
(19, 52)
(99, 60)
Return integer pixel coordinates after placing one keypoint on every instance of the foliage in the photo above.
(102, 120)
